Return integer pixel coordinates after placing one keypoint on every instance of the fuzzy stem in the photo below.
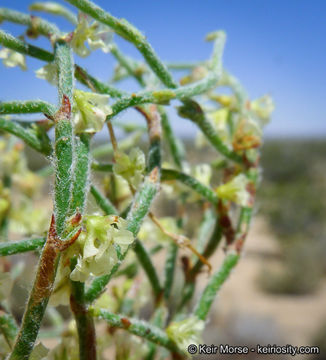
(59, 10)
(191, 110)
(192, 183)
(28, 135)
(131, 34)
(12, 248)
(81, 174)
(169, 269)
(26, 107)
(217, 280)
(22, 47)
(139, 328)
(146, 262)
(42, 27)
(139, 209)
(64, 145)
(38, 299)
(50, 256)
(175, 144)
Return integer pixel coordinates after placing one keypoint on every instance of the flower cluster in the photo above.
(105, 237)
(97, 36)
(131, 167)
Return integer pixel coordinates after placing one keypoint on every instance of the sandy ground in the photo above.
(243, 314)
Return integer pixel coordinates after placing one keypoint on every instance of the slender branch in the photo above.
(139, 328)
(146, 262)
(41, 26)
(28, 135)
(106, 167)
(17, 247)
(64, 145)
(103, 202)
(216, 281)
(131, 34)
(175, 144)
(26, 107)
(8, 328)
(169, 269)
(127, 63)
(22, 47)
(50, 256)
(191, 110)
(138, 211)
(192, 183)
(55, 9)
(81, 174)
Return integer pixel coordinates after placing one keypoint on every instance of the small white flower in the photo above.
(235, 190)
(186, 332)
(90, 111)
(131, 167)
(103, 235)
(13, 58)
(48, 73)
(97, 35)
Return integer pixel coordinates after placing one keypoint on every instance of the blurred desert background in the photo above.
(277, 293)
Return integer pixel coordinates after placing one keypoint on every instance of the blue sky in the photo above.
(276, 47)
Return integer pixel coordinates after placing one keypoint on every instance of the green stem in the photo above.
(131, 34)
(127, 63)
(191, 110)
(26, 107)
(192, 183)
(216, 281)
(106, 167)
(210, 248)
(41, 26)
(22, 47)
(81, 174)
(169, 268)
(50, 256)
(64, 144)
(8, 328)
(139, 328)
(146, 262)
(28, 135)
(103, 202)
(138, 211)
(175, 144)
(17, 247)
(58, 9)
